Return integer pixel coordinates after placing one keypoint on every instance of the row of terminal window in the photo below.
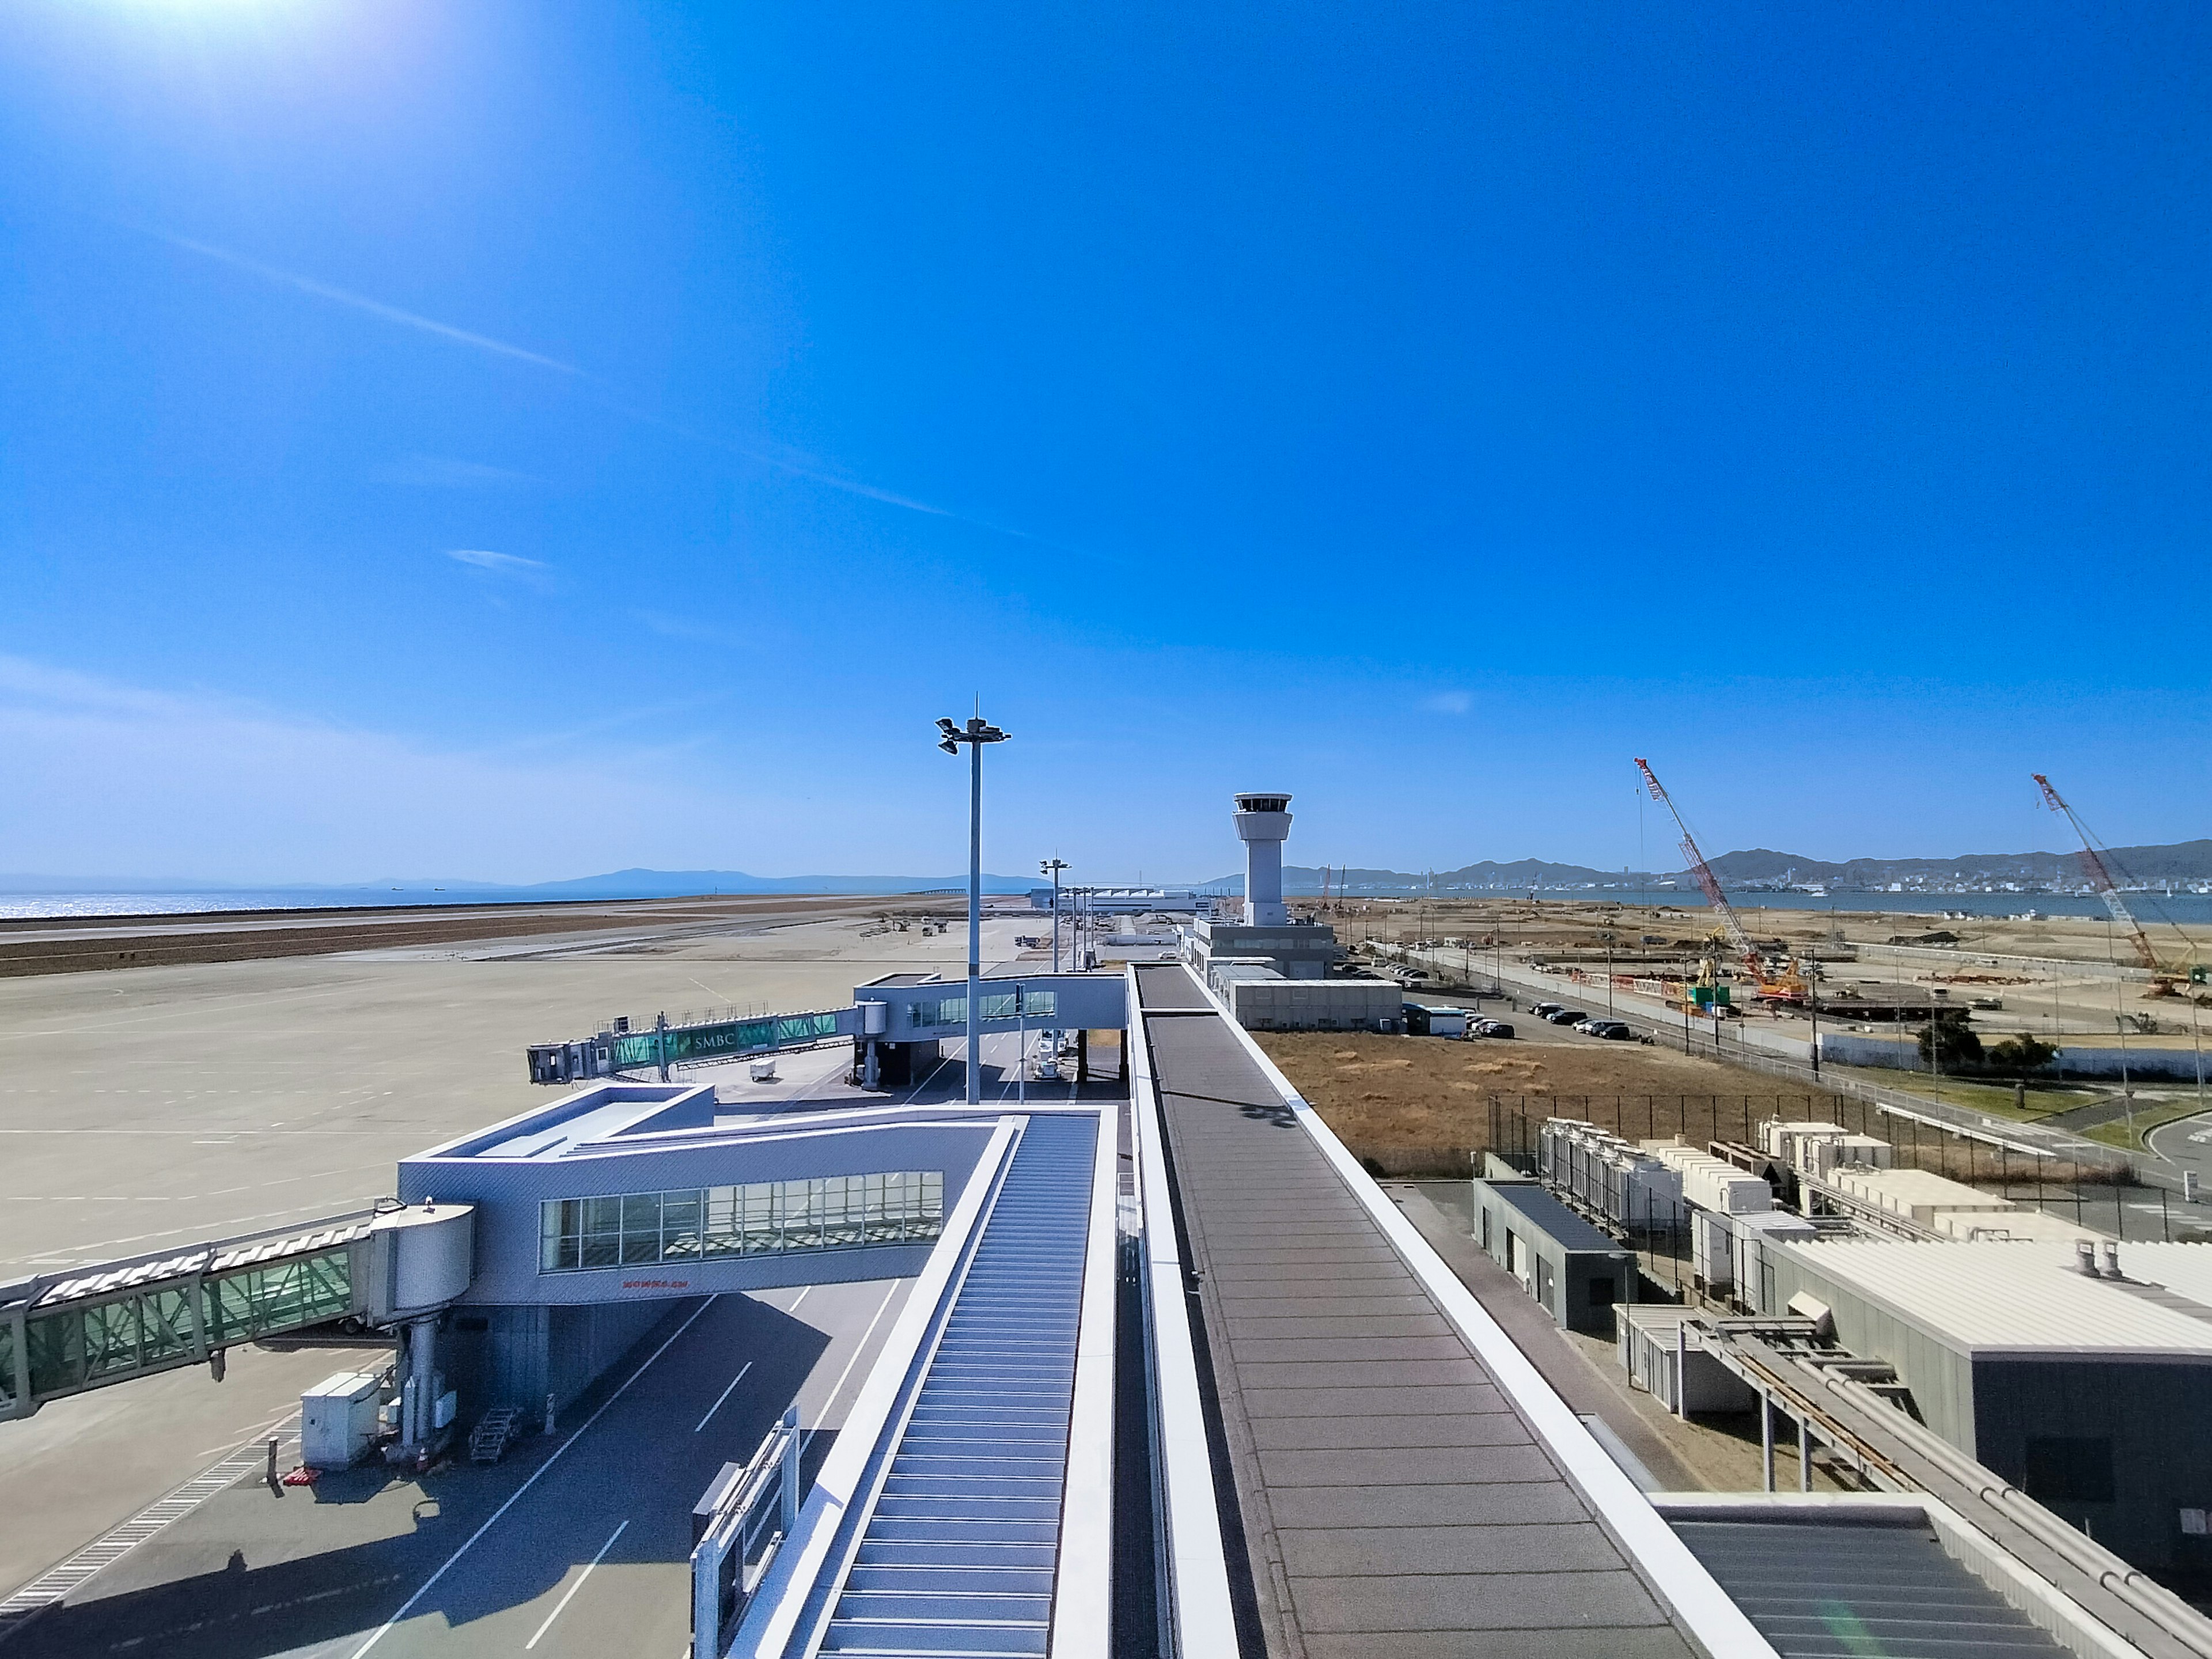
(766, 1218)
(1004, 1005)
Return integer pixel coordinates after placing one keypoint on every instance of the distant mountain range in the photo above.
(1751, 870)
(1760, 867)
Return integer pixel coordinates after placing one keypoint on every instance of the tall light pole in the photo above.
(1053, 867)
(978, 732)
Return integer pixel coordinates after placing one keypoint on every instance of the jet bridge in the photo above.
(63, 1333)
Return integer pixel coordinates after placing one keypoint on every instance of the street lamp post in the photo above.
(978, 732)
(1053, 867)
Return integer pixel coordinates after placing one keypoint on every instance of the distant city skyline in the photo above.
(519, 445)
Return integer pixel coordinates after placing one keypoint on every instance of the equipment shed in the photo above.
(1576, 1272)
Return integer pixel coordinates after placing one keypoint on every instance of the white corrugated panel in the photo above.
(1992, 1296)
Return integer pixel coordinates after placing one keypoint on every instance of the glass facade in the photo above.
(953, 1011)
(766, 1218)
(74, 1347)
(722, 1041)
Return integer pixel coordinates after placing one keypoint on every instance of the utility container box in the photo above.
(1749, 1236)
(1796, 1144)
(1714, 1185)
(1919, 1195)
(338, 1420)
(1712, 1255)
(1846, 1152)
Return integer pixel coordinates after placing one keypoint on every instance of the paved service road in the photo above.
(576, 1546)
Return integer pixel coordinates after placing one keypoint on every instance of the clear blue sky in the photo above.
(513, 440)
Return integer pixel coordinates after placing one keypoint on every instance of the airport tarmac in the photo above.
(142, 1107)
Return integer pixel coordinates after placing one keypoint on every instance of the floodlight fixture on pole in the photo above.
(1053, 867)
(975, 734)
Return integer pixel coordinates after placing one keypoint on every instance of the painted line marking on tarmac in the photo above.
(408, 1606)
(861, 1348)
(562, 1605)
(725, 1394)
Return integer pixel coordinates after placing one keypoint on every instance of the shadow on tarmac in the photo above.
(212, 1604)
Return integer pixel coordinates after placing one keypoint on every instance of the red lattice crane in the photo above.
(2100, 874)
(1787, 987)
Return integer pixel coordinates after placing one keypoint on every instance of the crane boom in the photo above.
(1704, 872)
(2101, 876)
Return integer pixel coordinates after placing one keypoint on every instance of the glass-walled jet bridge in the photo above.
(890, 1020)
(63, 1333)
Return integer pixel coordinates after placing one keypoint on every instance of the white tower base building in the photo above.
(1298, 950)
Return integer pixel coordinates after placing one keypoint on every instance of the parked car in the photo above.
(1567, 1016)
(1588, 1027)
(1612, 1031)
(1493, 1028)
(1546, 1010)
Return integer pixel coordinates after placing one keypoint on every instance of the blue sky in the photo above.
(509, 441)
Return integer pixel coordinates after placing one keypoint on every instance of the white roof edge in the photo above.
(1673, 1574)
(1205, 1618)
(1082, 1588)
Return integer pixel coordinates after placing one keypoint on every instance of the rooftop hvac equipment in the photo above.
(1845, 1151)
(1712, 1250)
(1750, 1238)
(418, 1259)
(1607, 1175)
(2008, 1226)
(1793, 1143)
(1715, 1185)
(1915, 1195)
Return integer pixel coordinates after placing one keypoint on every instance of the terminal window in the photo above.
(1003, 1005)
(765, 1217)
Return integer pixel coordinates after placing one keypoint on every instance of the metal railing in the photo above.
(758, 1511)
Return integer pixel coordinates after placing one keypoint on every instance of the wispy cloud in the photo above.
(795, 462)
(132, 779)
(1448, 702)
(507, 564)
(443, 472)
(682, 628)
(377, 308)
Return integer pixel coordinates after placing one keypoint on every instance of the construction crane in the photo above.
(1787, 987)
(2092, 855)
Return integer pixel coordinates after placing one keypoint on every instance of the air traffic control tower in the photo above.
(1298, 950)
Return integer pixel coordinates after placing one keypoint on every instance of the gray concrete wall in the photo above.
(517, 1356)
(2176, 1065)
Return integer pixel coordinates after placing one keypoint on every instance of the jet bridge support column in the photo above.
(418, 1395)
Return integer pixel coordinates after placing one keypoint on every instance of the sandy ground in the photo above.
(1558, 924)
(1419, 1106)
